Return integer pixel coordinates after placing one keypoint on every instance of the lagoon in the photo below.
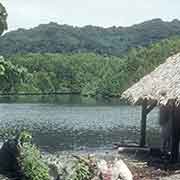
(68, 123)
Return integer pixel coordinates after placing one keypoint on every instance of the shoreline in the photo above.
(135, 161)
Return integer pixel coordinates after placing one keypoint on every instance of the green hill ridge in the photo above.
(116, 41)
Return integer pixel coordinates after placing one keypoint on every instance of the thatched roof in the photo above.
(161, 86)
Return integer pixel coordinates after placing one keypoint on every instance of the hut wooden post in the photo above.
(145, 111)
(143, 125)
(175, 136)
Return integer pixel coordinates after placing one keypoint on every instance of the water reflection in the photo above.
(61, 99)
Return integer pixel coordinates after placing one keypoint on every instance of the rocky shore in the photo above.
(135, 161)
(111, 164)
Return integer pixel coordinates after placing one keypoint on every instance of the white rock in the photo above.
(120, 170)
(102, 166)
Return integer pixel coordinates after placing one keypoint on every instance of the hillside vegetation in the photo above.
(89, 73)
(116, 41)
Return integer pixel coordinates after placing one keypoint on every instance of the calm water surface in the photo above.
(74, 123)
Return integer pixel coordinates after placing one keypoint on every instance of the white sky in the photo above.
(30, 13)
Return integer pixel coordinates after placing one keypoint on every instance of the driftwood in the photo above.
(130, 148)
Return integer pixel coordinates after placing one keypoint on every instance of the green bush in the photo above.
(31, 164)
(84, 169)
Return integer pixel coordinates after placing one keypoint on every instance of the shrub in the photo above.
(32, 166)
(84, 169)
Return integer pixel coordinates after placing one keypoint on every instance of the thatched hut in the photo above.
(159, 88)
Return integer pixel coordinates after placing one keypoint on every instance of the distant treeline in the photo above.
(89, 73)
(114, 41)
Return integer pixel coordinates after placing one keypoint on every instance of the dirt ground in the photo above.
(145, 167)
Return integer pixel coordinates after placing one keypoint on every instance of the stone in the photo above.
(114, 171)
(102, 166)
(121, 171)
(9, 157)
(3, 177)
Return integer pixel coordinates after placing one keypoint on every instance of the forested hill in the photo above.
(55, 38)
(87, 73)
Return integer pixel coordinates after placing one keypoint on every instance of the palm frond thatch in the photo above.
(161, 86)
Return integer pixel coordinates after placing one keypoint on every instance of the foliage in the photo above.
(55, 38)
(10, 75)
(84, 169)
(70, 73)
(3, 18)
(24, 137)
(88, 73)
(32, 166)
(81, 172)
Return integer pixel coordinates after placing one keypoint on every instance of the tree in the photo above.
(3, 18)
(10, 74)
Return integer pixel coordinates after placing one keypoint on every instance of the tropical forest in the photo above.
(91, 61)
